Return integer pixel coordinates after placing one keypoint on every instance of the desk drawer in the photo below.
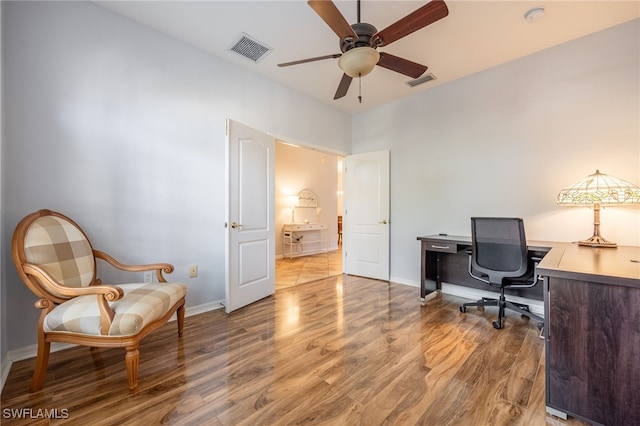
(441, 246)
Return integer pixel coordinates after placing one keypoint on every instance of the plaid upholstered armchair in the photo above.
(56, 261)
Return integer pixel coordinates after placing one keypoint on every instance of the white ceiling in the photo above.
(476, 35)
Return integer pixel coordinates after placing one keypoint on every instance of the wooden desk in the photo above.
(592, 332)
(443, 259)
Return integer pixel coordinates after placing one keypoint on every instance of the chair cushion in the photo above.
(61, 249)
(141, 304)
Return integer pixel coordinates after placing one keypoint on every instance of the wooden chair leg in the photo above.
(42, 360)
(132, 359)
(180, 315)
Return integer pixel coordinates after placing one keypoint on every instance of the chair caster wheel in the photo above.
(463, 309)
(497, 325)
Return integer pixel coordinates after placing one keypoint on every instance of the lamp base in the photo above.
(597, 241)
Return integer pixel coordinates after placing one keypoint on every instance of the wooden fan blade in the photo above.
(303, 61)
(330, 14)
(343, 87)
(401, 65)
(420, 18)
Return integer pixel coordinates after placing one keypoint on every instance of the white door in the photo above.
(250, 226)
(366, 215)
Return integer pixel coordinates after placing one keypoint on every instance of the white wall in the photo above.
(4, 264)
(123, 128)
(506, 140)
(299, 168)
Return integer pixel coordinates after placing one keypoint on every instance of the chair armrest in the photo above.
(470, 269)
(158, 267)
(104, 294)
(109, 292)
(536, 277)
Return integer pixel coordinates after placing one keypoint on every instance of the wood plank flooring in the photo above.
(303, 269)
(343, 350)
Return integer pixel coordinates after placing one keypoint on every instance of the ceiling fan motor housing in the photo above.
(364, 31)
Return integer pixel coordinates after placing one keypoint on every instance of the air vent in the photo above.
(421, 80)
(249, 47)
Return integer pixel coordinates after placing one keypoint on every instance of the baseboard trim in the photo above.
(536, 306)
(205, 307)
(4, 373)
(404, 281)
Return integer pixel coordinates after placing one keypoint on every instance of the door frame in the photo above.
(306, 145)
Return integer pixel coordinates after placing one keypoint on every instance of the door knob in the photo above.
(383, 221)
(235, 225)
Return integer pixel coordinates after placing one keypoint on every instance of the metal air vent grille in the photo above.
(425, 78)
(250, 48)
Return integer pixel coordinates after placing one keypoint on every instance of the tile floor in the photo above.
(303, 269)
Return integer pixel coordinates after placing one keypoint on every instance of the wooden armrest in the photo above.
(109, 292)
(158, 267)
(104, 293)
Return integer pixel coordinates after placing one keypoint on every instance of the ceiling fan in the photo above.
(359, 42)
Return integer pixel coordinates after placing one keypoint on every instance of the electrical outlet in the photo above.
(193, 271)
(148, 276)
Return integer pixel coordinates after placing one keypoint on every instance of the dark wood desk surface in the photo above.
(466, 240)
(620, 265)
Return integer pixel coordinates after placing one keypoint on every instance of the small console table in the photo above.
(293, 236)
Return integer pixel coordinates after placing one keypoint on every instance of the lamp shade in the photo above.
(598, 190)
(601, 189)
(293, 200)
(359, 61)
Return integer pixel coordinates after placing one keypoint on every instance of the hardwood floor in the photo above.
(303, 269)
(341, 351)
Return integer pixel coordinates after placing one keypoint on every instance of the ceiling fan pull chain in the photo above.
(360, 88)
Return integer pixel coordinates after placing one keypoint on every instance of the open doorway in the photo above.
(315, 254)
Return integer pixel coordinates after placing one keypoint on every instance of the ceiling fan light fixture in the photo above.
(359, 61)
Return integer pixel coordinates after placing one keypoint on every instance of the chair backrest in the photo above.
(56, 244)
(499, 247)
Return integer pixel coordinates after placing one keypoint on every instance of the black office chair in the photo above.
(499, 254)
